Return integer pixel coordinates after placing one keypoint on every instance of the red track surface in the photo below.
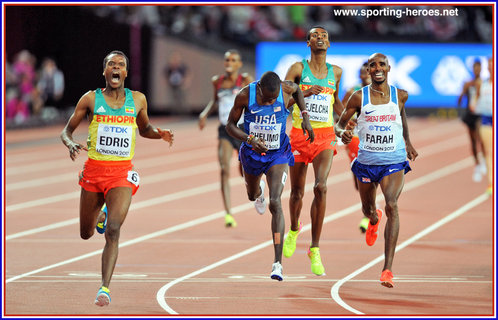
(177, 257)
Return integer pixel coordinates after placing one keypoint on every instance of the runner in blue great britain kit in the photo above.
(383, 149)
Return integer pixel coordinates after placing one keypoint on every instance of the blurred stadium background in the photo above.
(431, 56)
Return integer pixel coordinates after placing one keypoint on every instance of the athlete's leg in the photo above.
(391, 187)
(225, 152)
(321, 167)
(368, 193)
(276, 177)
(252, 186)
(90, 204)
(474, 142)
(298, 181)
(118, 202)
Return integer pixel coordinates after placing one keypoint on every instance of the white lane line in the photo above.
(137, 205)
(334, 291)
(149, 179)
(192, 223)
(429, 150)
(448, 170)
(335, 179)
(140, 163)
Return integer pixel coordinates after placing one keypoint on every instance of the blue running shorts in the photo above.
(375, 173)
(254, 163)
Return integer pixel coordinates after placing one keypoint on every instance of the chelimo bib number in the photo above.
(114, 140)
(270, 133)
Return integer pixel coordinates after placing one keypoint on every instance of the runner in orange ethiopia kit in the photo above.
(319, 82)
(115, 113)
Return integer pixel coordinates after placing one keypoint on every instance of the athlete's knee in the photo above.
(391, 208)
(112, 231)
(225, 170)
(251, 196)
(368, 210)
(86, 234)
(296, 194)
(275, 205)
(320, 189)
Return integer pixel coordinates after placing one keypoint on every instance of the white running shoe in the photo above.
(260, 203)
(483, 168)
(477, 175)
(276, 271)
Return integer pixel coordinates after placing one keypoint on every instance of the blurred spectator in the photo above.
(297, 15)
(177, 76)
(248, 25)
(443, 28)
(17, 110)
(51, 83)
(23, 73)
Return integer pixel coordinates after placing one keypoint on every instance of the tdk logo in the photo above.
(265, 127)
(115, 129)
(319, 97)
(379, 128)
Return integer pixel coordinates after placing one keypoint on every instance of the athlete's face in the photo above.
(319, 39)
(115, 70)
(232, 62)
(267, 97)
(378, 68)
(477, 69)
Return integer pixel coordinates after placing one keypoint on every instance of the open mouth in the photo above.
(116, 77)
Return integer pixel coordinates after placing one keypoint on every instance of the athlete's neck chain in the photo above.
(377, 91)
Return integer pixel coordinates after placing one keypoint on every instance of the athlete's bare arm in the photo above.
(145, 129)
(410, 150)
(338, 106)
(239, 105)
(292, 91)
(213, 103)
(83, 108)
(343, 127)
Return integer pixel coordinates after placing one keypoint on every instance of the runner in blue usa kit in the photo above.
(383, 149)
(266, 148)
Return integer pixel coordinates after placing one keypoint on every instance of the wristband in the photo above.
(304, 112)
(250, 138)
(339, 132)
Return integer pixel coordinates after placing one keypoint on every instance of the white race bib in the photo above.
(270, 133)
(133, 177)
(379, 138)
(318, 106)
(114, 140)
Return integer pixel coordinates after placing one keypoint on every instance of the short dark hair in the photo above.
(308, 34)
(234, 51)
(270, 81)
(119, 53)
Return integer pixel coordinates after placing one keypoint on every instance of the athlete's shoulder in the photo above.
(337, 70)
(402, 94)
(139, 98)
(137, 94)
(246, 78)
(297, 66)
(216, 78)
